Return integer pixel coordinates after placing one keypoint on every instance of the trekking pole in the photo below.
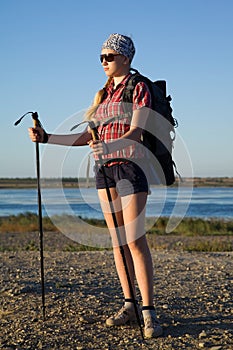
(36, 123)
(95, 137)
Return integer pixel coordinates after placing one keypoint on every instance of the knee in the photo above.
(138, 244)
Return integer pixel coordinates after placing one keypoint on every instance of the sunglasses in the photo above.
(109, 57)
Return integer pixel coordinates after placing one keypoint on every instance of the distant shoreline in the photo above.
(21, 183)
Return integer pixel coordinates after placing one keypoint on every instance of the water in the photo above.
(204, 202)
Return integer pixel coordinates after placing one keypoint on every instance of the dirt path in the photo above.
(193, 293)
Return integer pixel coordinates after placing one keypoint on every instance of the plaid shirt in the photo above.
(114, 122)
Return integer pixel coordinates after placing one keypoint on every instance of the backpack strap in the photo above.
(138, 77)
(127, 96)
(158, 91)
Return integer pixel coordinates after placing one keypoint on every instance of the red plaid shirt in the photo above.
(113, 120)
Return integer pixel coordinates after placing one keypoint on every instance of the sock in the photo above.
(148, 311)
(129, 304)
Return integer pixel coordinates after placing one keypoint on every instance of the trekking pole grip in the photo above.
(94, 131)
(36, 121)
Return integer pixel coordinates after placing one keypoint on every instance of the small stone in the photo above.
(39, 345)
(202, 334)
(219, 347)
(86, 319)
(201, 345)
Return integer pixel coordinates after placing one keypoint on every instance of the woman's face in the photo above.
(113, 63)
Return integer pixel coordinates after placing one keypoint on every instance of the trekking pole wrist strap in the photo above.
(45, 137)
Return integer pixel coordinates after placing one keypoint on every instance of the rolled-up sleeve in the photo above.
(141, 96)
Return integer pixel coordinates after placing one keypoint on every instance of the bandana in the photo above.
(121, 44)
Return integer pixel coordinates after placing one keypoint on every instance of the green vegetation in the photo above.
(29, 182)
(215, 245)
(28, 222)
(195, 227)
(213, 235)
(80, 248)
(70, 182)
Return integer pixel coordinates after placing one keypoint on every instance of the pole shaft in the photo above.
(40, 224)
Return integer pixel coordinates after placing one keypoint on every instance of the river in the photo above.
(203, 202)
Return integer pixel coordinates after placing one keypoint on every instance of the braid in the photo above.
(90, 113)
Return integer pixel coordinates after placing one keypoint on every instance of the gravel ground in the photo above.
(193, 294)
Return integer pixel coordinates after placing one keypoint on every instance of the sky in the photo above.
(50, 64)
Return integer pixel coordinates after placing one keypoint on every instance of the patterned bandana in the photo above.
(121, 44)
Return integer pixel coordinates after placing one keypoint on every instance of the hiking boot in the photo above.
(122, 317)
(152, 328)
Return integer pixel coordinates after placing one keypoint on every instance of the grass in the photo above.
(80, 248)
(215, 245)
(192, 234)
(27, 222)
(190, 227)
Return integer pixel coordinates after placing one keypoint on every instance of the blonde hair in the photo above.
(90, 113)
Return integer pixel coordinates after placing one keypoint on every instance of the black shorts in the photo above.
(126, 177)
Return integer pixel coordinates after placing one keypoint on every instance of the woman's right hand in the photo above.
(37, 134)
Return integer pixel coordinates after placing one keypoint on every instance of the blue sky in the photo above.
(50, 64)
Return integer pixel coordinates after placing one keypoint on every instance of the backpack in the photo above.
(159, 140)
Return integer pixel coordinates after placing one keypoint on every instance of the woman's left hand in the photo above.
(99, 147)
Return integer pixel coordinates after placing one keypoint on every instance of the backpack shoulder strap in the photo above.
(131, 83)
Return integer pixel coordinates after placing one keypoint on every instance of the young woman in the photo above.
(121, 150)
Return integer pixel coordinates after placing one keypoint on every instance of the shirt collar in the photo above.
(123, 82)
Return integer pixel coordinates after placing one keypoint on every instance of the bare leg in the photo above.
(130, 213)
(134, 221)
(116, 249)
(122, 273)
(143, 269)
